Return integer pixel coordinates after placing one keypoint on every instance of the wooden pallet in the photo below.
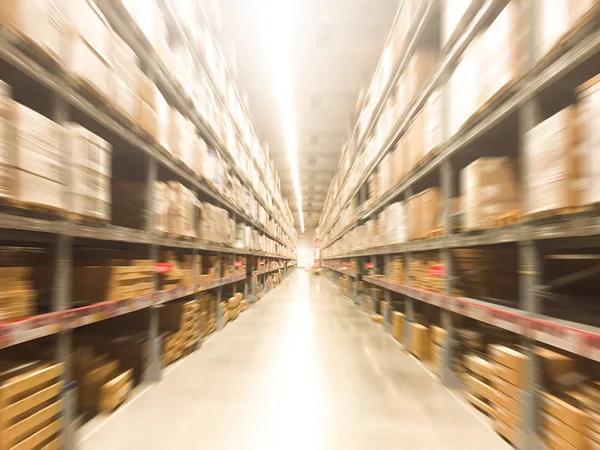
(551, 213)
(508, 218)
(435, 233)
(38, 208)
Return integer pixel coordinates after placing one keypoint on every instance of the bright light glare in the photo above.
(275, 27)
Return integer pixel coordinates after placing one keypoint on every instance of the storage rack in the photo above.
(573, 61)
(63, 101)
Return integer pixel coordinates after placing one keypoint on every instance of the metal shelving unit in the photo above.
(60, 235)
(572, 62)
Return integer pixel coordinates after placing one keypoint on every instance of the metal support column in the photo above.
(61, 300)
(448, 376)
(387, 297)
(153, 371)
(374, 300)
(409, 307)
(530, 266)
(220, 321)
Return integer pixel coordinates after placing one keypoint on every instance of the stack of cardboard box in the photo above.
(396, 269)
(478, 375)
(102, 384)
(554, 164)
(31, 404)
(398, 326)
(420, 343)
(115, 280)
(438, 339)
(17, 293)
(488, 190)
(89, 165)
(423, 213)
(508, 382)
(35, 170)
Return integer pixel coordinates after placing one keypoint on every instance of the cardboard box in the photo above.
(37, 21)
(508, 357)
(512, 376)
(554, 164)
(398, 326)
(438, 335)
(512, 405)
(554, 442)
(86, 67)
(507, 417)
(84, 19)
(479, 366)
(509, 433)
(507, 388)
(563, 431)
(503, 47)
(420, 342)
(588, 100)
(557, 18)
(555, 364)
(488, 189)
(115, 391)
(480, 404)
(478, 388)
(90, 172)
(569, 414)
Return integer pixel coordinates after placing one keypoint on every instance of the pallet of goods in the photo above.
(180, 272)
(116, 280)
(30, 404)
(398, 320)
(102, 383)
(489, 191)
(17, 293)
(423, 213)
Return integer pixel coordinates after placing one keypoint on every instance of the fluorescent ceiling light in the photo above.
(276, 24)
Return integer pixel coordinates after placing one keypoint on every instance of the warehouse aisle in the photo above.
(302, 369)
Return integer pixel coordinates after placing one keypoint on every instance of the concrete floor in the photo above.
(302, 369)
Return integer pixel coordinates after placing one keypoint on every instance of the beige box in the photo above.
(419, 341)
(488, 189)
(84, 19)
(504, 430)
(503, 44)
(86, 67)
(479, 366)
(508, 357)
(146, 118)
(438, 335)
(553, 164)
(40, 22)
(563, 431)
(502, 414)
(569, 414)
(588, 99)
(556, 18)
(512, 405)
(555, 442)
(398, 326)
(479, 388)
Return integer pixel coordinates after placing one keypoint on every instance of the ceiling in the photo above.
(335, 47)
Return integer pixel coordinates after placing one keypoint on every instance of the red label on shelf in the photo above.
(437, 271)
(347, 264)
(162, 267)
(262, 263)
(368, 265)
(237, 264)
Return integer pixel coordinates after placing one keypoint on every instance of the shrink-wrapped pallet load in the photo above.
(488, 190)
